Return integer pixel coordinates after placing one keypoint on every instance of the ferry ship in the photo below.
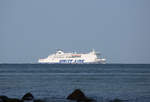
(61, 57)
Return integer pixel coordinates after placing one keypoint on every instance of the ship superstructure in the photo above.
(61, 57)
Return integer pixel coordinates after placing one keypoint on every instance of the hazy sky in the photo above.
(32, 29)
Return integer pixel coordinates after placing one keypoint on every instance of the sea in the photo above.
(54, 82)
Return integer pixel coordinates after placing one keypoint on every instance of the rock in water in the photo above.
(28, 97)
(117, 100)
(79, 96)
(6, 99)
(38, 100)
(13, 100)
(3, 98)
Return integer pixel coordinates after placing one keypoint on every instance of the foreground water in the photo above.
(99, 81)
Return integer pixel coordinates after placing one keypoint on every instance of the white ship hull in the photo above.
(73, 58)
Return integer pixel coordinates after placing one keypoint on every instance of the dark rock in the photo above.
(28, 97)
(6, 99)
(3, 98)
(38, 100)
(79, 96)
(117, 100)
(13, 100)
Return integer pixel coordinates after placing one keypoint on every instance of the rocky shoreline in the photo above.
(76, 96)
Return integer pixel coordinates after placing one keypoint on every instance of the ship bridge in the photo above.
(59, 52)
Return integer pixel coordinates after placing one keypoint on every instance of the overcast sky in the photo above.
(32, 29)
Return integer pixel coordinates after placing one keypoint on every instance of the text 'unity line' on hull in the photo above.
(61, 57)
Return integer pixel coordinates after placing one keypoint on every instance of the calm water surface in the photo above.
(125, 81)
